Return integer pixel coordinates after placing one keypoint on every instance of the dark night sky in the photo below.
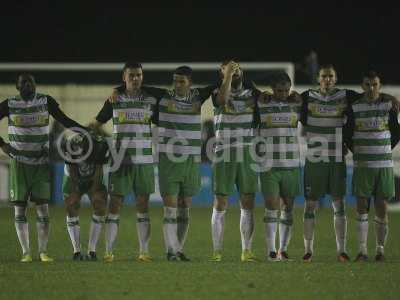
(352, 37)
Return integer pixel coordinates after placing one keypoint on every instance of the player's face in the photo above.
(281, 91)
(371, 87)
(181, 84)
(327, 78)
(133, 78)
(26, 86)
(237, 76)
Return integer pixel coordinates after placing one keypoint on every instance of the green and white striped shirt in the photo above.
(179, 122)
(28, 128)
(371, 137)
(132, 127)
(278, 127)
(325, 119)
(235, 121)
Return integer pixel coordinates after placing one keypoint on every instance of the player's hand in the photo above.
(114, 96)
(295, 97)
(9, 150)
(230, 69)
(265, 97)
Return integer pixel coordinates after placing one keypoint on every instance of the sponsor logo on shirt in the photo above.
(29, 120)
(288, 120)
(136, 116)
(371, 124)
(240, 106)
(184, 107)
(326, 110)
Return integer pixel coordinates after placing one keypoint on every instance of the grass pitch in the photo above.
(126, 278)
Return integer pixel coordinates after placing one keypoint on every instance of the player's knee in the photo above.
(272, 203)
(310, 206)
(221, 202)
(20, 213)
(72, 201)
(99, 208)
(142, 203)
(115, 204)
(338, 207)
(170, 201)
(184, 202)
(39, 201)
(247, 201)
(99, 199)
(381, 208)
(362, 206)
(286, 217)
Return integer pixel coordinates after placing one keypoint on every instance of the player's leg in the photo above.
(72, 203)
(340, 226)
(289, 189)
(363, 183)
(41, 196)
(247, 184)
(43, 228)
(143, 226)
(72, 198)
(384, 193)
(170, 178)
(218, 224)
(247, 225)
(285, 227)
(143, 187)
(170, 227)
(21, 226)
(99, 203)
(309, 227)
(270, 189)
(316, 176)
(120, 186)
(362, 228)
(271, 225)
(337, 184)
(381, 227)
(112, 224)
(224, 174)
(19, 196)
(190, 187)
(184, 204)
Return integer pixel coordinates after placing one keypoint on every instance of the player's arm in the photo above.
(394, 126)
(102, 117)
(348, 127)
(351, 96)
(256, 95)
(4, 112)
(304, 108)
(117, 91)
(156, 92)
(224, 90)
(206, 92)
(60, 116)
